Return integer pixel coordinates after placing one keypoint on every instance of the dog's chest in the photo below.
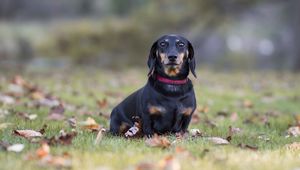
(165, 114)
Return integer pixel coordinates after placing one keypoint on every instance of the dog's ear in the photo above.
(152, 58)
(191, 59)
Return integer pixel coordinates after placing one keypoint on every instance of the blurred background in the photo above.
(226, 34)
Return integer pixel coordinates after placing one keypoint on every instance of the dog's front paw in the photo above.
(148, 134)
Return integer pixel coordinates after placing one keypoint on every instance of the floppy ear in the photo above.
(191, 59)
(152, 59)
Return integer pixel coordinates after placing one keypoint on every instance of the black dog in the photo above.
(166, 103)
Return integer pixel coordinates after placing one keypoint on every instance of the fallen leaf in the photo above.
(27, 116)
(102, 103)
(293, 131)
(234, 117)
(295, 146)
(146, 166)
(63, 138)
(28, 133)
(4, 144)
(99, 136)
(195, 133)
(5, 125)
(90, 124)
(218, 140)
(195, 118)
(248, 104)
(15, 148)
(203, 109)
(43, 151)
(56, 113)
(72, 122)
(8, 100)
(169, 163)
(245, 146)
(158, 141)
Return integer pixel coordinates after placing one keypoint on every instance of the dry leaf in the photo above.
(15, 147)
(102, 103)
(293, 131)
(203, 109)
(245, 146)
(43, 151)
(234, 117)
(248, 104)
(72, 122)
(27, 116)
(295, 146)
(195, 118)
(90, 124)
(158, 141)
(56, 113)
(5, 125)
(218, 140)
(99, 136)
(28, 133)
(169, 163)
(195, 133)
(7, 100)
(63, 138)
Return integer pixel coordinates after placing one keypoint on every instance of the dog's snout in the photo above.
(172, 57)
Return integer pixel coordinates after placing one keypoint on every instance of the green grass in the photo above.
(267, 91)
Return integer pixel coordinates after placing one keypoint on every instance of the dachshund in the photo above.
(167, 102)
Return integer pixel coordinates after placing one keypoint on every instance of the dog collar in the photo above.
(169, 81)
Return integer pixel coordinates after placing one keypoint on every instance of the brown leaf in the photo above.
(102, 103)
(247, 103)
(56, 113)
(169, 163)
(293, 131)
(196, 133)
(27, 116)
(72, 122)
(195, 118)
(245, 146)
(218, 140)
(63, 138)
(158, 141)
(28, 133)
(99, 136)
(295, 146)
(90, 124)
(43, 151)
(234, 117)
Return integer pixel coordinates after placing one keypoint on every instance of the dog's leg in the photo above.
(146, 121)
(119, 123)
(178, 123)
(185, 123)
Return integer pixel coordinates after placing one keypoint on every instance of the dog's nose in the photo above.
(172, 57)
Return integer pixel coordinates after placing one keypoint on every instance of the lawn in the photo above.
(259, 106)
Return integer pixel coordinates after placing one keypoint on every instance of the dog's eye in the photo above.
(163, 44)
(180, 44)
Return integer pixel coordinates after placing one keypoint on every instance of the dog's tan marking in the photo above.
(124, 127)
(172, 71)
(163, 57)
(181, 57)
(156, 110)
(186, 111)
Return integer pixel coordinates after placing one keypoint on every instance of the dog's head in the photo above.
(172, 56)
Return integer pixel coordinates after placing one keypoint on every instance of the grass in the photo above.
(268, 92)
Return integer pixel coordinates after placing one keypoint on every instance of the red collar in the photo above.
(169, 81)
